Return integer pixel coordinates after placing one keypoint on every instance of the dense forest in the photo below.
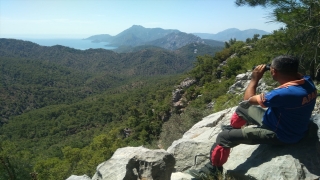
(63, 111)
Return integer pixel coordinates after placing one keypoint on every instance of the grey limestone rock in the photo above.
(83, 177)
(136, 163)
(192, 150)
(180, 176)
(242, 82)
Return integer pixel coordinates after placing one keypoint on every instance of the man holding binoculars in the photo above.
(285, 121)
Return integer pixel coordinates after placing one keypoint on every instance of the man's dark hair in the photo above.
(286, 64)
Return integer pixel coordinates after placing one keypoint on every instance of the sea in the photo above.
(80, 44)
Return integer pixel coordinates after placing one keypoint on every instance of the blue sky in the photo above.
(83, 18)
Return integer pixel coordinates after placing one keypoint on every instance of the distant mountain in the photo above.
(227, 34)
(138, 36)
(175, 40)
(134, 36)
(100, 38)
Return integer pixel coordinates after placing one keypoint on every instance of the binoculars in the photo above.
(266, 68)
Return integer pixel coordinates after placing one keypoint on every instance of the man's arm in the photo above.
(250, 93)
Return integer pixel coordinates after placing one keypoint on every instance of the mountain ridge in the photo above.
(171, 39)
(134, 36)
(232, 33)
(100, 60)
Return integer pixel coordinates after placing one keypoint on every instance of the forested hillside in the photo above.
(34, 76)
(91, 128)
(63, 111)
(155, 61)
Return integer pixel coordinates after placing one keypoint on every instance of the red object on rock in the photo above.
(236, 121)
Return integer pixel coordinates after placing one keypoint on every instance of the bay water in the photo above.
(80, 44)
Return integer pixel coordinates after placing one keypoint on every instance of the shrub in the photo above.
(177, 125)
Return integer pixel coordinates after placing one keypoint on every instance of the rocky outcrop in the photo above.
(242, 81)
(177, 94)
(136, 163)
(298, 161)
(192, 150)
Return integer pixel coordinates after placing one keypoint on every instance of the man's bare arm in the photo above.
(254, 100)
(250, 93)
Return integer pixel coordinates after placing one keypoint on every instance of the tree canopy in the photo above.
(301, 35)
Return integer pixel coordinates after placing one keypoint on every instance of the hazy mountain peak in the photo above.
(227, 34)
(137, 27)
(230, 30)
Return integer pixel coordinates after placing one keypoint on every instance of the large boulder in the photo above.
(136, 163)
(298, 161)
(196, 143)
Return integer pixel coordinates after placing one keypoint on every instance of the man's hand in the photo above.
(258, 72)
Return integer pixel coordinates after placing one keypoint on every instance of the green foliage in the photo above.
(234, 67)
(231, 42)
(52, 168)
(227, 101)
(204, 69)
(301, 35)
(30, 84)
(223, 55)
(13, 166)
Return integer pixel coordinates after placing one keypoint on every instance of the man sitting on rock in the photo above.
(285, 121)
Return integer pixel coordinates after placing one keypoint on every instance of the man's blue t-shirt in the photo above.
(289, 109)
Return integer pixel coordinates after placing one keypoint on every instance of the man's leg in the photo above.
(252, 114)
(245, 113)
(220, 150)
(230, 138)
